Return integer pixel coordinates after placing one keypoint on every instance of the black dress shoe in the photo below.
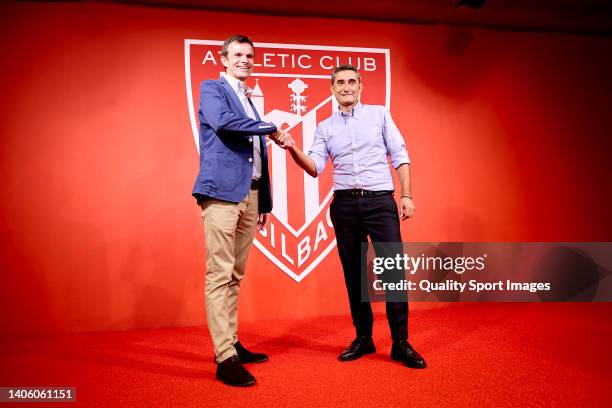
(403, 351)
(248, 357)
(360, 346)
(232, 372)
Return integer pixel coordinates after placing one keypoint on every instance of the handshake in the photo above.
(282, 139)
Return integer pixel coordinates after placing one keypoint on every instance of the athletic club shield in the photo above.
(291, 86)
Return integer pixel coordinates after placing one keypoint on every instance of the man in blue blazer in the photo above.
(233, 190)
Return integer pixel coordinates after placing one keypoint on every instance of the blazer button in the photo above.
(251, 139)
(250, 160)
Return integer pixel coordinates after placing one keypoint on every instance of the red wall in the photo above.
(508, 133)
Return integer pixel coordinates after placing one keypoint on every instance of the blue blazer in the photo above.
(226, 147)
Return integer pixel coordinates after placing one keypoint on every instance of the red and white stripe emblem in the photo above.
(291, 85)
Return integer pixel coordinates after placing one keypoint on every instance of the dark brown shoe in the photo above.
(360, 346)
(247, 356)
(231, 372)
(403, 351)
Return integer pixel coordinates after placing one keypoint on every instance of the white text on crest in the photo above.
(303, 61)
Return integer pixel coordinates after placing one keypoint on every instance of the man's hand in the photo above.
(406, 208)
(285, 141)
(262, 221)
(282, 139)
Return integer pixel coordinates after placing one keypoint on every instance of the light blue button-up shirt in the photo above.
(359, 144)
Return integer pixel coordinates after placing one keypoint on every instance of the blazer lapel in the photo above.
(254, 110)
(238, 106)
(262, 138)
(233, 97)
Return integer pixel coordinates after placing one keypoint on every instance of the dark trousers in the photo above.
(354, 219)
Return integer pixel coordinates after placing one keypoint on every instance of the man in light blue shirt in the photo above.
(359, 139)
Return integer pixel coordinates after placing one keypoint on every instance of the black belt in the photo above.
(254, 184)
(361, 193)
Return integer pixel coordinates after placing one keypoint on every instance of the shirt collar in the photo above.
(236, 85)
(353, 113)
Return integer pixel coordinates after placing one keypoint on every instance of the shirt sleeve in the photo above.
(318, 150)
(396, 147)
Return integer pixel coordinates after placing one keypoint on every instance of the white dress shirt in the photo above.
(240, 88)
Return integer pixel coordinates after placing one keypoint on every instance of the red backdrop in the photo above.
(508, 134)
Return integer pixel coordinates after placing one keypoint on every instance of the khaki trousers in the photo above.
(229, 229)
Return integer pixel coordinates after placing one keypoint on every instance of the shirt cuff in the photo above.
(400, 158)
(318, 161)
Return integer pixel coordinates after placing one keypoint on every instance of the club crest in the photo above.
(291, 85)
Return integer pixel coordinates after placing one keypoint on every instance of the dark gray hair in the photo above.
(347, 67)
